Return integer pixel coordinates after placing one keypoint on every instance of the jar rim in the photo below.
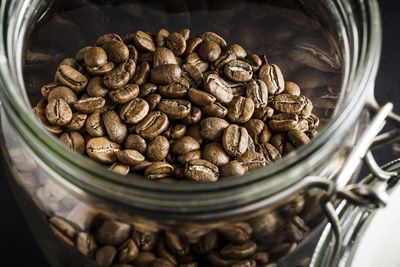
(240, 194)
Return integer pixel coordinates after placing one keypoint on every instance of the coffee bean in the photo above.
(201, 171)
(252, 160)
(106, 38)
(64, 93)
(158, 149)
(96, 87)
(292, 88)
(166, 74)
(120, 76)
(130, 157)
(298, 138)
(269, 152)
(152, 125)
(254, 128)
(133, 53)
(273, 78)
(115, 127)
(240, 109)
(77, 122)
(192, 74)
(144, 41)
(263, 113)
(144, 259)
(63, 226)
(185, 34)
(127, 252)
(213, 37)
(71, 78)
(70, 61)
(215, 153)
(193, 117)
(238, 233)
(189, 156)
(95, 57)
(195, 60)
(163, 252)
(177, 43)
(95, 126)
(173, 90)
(113, 233)
(194, 131)
(117, 51)
(103, 150)
(120, 169)
(160, 262)
(258, 92)
(192, 45)
(254, 61)
(239, 252)
(46, 89)
(235, 140)
(184, 144)
(219, 64)
(90, 105)
(277, 141)
(161, 38)
(245, 263)
(238, 71)
(175, 109)
(146, 241)
(159, 170)
(209, 51)
(134, 111)
(86, 244)
(285, 103)
(219, 88)
(147, 89)
(135, 142)
(176, 245)
(233, 168)
(58, 112)
(207, 243)
(105, 256)
(237, 50)
(215, 109)
(142, 73)
(153, 101)
(283, 122)
(213, 128)
(313, 122)
(200, 98)
(74, 141)
(217, 260)
(109, 66)
(124, 94)
(175, 131)
(163, 56)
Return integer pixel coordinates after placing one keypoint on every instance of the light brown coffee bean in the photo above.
(136, 142)
(77, 122)
(163, 56)
(105, 256)
(175, 131)
(96, 87)
(195, 60)
(166, 74)
(127, 252)
(173, 90)
(211, 36)
(269, 152)
(240, 109)
(189, 156)
(233, 168)
(192, 45)
(74, 141)
(184, 144)
(115, 127)
(283, 122)
(158, 149)
(235, 140)
(285, 103)
(120, 169)
(120, 76)
(90, 105)
(58, 112)
(117, 51)
(103, 150)
(219, 64)
(263, 113)
(238, 71)
(219, 88)
(113, 233)
(153, 101)
(175, 109)
(144, 41)
(192, 74)
(258, 92)
(273, 78)
(46, 89)
(254, 128)
(193, 117)
(200, 98)
(201, 171)
(106, 38)
(161, 38)
(95, 126)
(64, 93)
(292, 88)
(215, 109)
(152, 125)
(86, 244)
(95, 57)
(142, 73)
(71, 78)
(134, 111)
(252, 160)
(212, 128)
(239, 252)
(109, 66)
(130, 157)
(209, 51)
(236, 50)
(125, 94)
(159, 170)
(298, 138)
(215, 153)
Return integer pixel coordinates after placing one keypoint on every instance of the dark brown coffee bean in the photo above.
(77, 122)
(217, 260)
(103, 150)
(252, 160)
(194, 131)
(133, 53)
(130, 157)
(161, 38)
(200, 98)
(263, 113)
(254, 61)
(70, 61)
(175, 109)
(74, 141)
(175, 131)
(294, 207)
(201, 171)
(64, 93)
(159, 170)
(142, 73)
(238, 233)
(192, 45)
(269, 152)
(125, 94)
(134, 111)
(219, 88)
(120, 169)
(95, 57)
(189, 156)
(283, 122)
(63, 226)
(277, 141)
(95, 126)
(96, 87)
(184, 144)
(237, 50)
(209, 51)
(109, 66)
(240, 109)
(158, 149)
(254, 128)
(160, 262)
(163, 56)
(113, 233)
(144, 41)
(192, 74)
(239, 252)
(185, 34)
(215, 109)
(152, 125)
(193, 117)
(144, 259)
(106, 38)
(39, 111)
(211, 36)
(147, 89)
(86, 244)
(127, 252)
(46, 89)
(115, 127)
(146, 241)
(219, 64)
(177, 43)
(58, 112)
(233, 168)
(163, 252)
(166, 74)
(207, 243)
(195, 60)
(238, 71)
(135, 142)
(273, 78)
(120, 76)
(213, 128)
(292, 89)
(71, 78)
(117, 51)
(176, 245)
(153, 101)
(298, 138)
(258, 92)
(105, 256)
(235, 140)
(215, 153)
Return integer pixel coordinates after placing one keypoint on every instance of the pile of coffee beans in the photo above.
(175, 108)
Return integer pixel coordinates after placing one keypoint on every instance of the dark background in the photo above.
(17, 246)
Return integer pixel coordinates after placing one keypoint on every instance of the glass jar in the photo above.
(80, 212)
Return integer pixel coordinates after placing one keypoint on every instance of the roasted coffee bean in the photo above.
(215, 109)
(258, 92)
(209, 51)
(264, 136)
(64, 93)
(144, 259)
(130, 157)
(142, 73)
(236, 50)
(96, 87)
(277, 141)
(269, 152)
(161, 38)
(192, 45)
(192, 74)
(80, 55)
(120, 76)
(176, 244)
(273, 78)
(292, 88)
(152, 125)
(177, 43)
(219, 88)
(106, 38)
(71, 78)
(46, 89)
(285, 103)
(74, 141)
(175, 109)
(70, 61)
(254, 128)
(173, 90)
(144, 41)
(63, 226)
(298, 138)
(215, 153)
(113, 233)
(136, 142)
(217, 260)
(133, 53)
(163, 252)
(166, 74)
(189, 156)
(235, 140)
(263, 113)
(185, 34)
(105, 256)
(90, 105)
(160, 262)
(115, 127)
(124, 94)
(95, 126)
(86, 244)
(153, 101)
(120, 169)
(158, 149)
(219, 64)
(288, 147)
(102, 150)
(201, 171)
(313, 122)
(240, 109)
(254, 61)
(195, 60)
(193, 117)
(282, 249)
(200, 98)
(207, 243)
(238, 71)
(245, 263)
(109, 66)
(239, 252)
(311, 133)
(117, 51)
(184, 144)
(283, 122)
(147, 89)
(302, 126)
(134, 111)
(127, 252)
(58, 112)
(175, 131)
(238, 233)
(252, 160)
(233, 168)
(213, 37)
(294, 207)
(159, 170)
(213, 128)
(95, 57)
(77, 122)
(146, 241)
(194, 131)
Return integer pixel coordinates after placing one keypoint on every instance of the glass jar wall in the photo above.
(80, 213)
